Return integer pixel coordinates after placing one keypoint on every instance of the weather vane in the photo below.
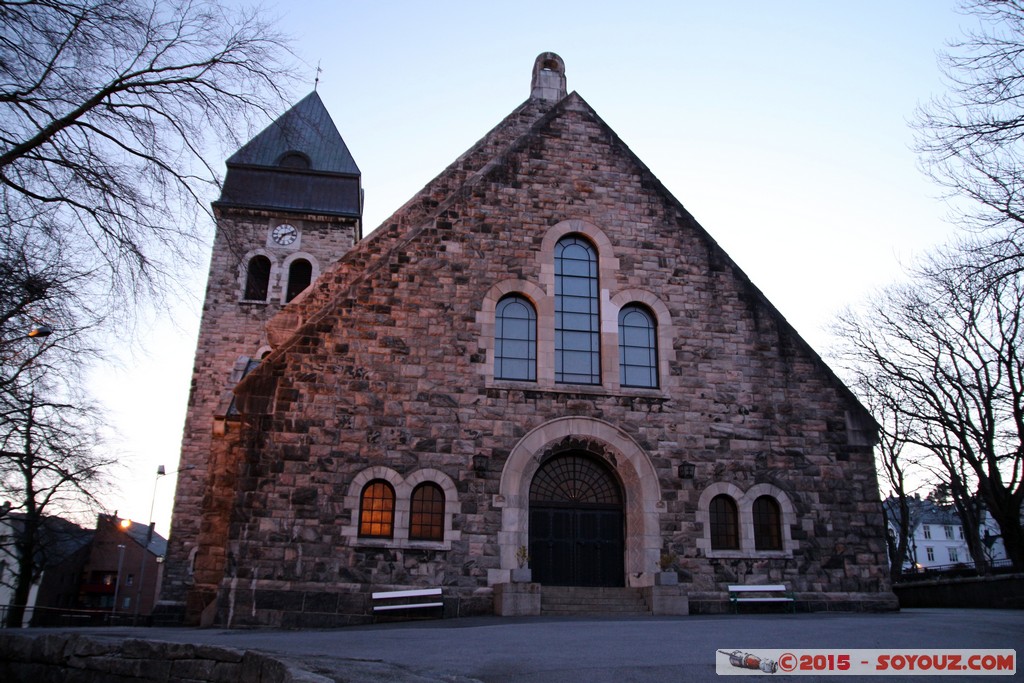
(316, 81)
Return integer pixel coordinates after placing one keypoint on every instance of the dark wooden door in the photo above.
(576, 546)
(577, 526)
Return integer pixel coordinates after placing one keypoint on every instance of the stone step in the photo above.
(573, 600)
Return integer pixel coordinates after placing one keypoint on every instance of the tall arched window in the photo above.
(427, 513)
(725, 533)
(300, 272)
(377, 510)
(515, 339)
(638, 347)
(767, 524)
(577, 316)
(257, 278)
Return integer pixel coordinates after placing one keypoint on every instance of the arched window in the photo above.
(638, 347)
(377, 510)
(427, 513)
(515, 339)
(296, 160)
(767, 524)
(257, 279)
(577, 317)
(724, 523)
(300, 272)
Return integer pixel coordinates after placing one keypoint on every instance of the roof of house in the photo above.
(138, 532)
(923, 511)
(58, 538)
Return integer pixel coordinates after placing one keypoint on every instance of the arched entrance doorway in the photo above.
(576, 523)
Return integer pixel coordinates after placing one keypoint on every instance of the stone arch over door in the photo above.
(642, 492)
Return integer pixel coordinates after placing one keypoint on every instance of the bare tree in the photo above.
(48, 433)
(971, 140)
(107, 112)
(951, 343)
(895, 461)
(49, 466)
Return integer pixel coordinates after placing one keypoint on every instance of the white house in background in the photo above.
(937, 536)
(7, 560)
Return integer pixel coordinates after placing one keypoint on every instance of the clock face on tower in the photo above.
(285, 234)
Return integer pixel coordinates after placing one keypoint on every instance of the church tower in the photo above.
(291, 205)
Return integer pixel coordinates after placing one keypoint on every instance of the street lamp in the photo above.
(40, 330)
(160, 471)
(117, 578)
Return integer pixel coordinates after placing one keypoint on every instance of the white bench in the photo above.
(738, 594)
(388, 601)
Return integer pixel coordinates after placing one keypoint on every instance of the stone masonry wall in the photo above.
(231, 328)
(395, 374)
(57, 658)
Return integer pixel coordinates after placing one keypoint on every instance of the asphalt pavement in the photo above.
(565, 650)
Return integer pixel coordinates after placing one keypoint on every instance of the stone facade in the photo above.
(385, 372)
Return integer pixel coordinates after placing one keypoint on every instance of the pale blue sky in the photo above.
(781, 126)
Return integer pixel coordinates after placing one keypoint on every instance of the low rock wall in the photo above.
(74, 658)
(995, 592)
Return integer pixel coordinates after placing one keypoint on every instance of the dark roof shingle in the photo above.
(307, 128)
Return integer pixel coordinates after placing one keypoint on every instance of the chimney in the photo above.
(548, 78)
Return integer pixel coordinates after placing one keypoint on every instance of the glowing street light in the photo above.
(40, 330)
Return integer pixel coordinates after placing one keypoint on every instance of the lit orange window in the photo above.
(377, 510)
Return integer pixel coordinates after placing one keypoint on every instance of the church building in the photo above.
(541, 361)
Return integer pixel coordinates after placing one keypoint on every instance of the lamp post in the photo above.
(117, 578)
(160, 471)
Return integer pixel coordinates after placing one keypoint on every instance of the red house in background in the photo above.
(123, 569)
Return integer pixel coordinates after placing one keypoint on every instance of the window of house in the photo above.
(296, 160)
(949, 532)
(724, 523)
(377, 510)
(927, 531)
(577, 316)
(930, 553)
(638, 347)
(960, 531)
(515, 344)
(767, 524)
(427, 513)
(130, 580)
(954, 556)
(300, 274)
(257, 279)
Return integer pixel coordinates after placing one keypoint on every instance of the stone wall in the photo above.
(58, 658)
(986, 592)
